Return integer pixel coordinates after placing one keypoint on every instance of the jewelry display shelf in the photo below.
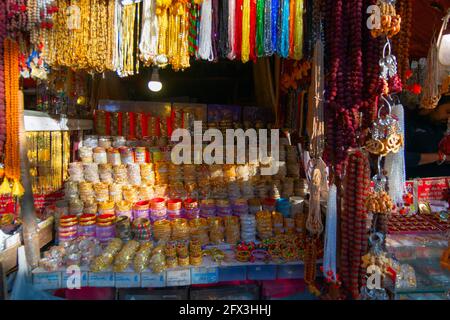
(41, 121)
(422, 252)
(210, 272)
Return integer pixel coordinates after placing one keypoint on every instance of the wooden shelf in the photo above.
(41, 121)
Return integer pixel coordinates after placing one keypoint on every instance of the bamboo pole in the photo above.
(27, 209)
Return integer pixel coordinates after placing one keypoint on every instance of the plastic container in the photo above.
(87, 229)
(207, 208)
(269, 204)
(240, 207)
(174, 209)
(139, 155)
(104, 142)
(191, 210)
(126, 155)
(105, 232)
(99, 155)
(284, 207)
(141, 209)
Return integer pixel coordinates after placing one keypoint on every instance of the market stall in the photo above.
(150, 179)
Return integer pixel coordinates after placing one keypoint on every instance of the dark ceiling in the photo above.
(224, 82)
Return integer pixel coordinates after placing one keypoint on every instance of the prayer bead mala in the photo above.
(354, 216)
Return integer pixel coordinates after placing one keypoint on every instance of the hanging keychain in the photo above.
(386, 136)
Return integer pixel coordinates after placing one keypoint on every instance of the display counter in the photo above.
(209, 273)
(423, 253)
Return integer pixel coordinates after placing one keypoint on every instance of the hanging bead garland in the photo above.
(2, 78)
(353, 217)
(14, 110)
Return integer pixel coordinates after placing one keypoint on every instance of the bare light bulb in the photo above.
(155, 84)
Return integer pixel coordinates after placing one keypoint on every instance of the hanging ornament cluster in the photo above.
(389, 20)
(379, 202)
(386, 136)
(390, 82)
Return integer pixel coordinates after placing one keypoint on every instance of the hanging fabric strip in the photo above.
(275, 22)
(394, 164)
(215, 28)
(231, 29)
(267, 24)
(329, 256)
(253, 30)
(245, 49)
(238, 29)
(260, 15)
(283, 39)
(224, 48)
(205, 50)
(291, 26)
(193, 17)
(149, 34)
(298, 30)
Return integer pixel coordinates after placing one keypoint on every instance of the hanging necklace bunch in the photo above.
(16, 17)
(89, 45)
(162, 7)
(178, 50)
(402, 40)
(345, 92)
(128, 62)
(40, 22)
(149, 33)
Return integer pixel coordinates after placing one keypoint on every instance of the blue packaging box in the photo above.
(290, 271)
(267, 272)
(237, 273)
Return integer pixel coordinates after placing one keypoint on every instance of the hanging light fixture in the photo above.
(155, 84)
